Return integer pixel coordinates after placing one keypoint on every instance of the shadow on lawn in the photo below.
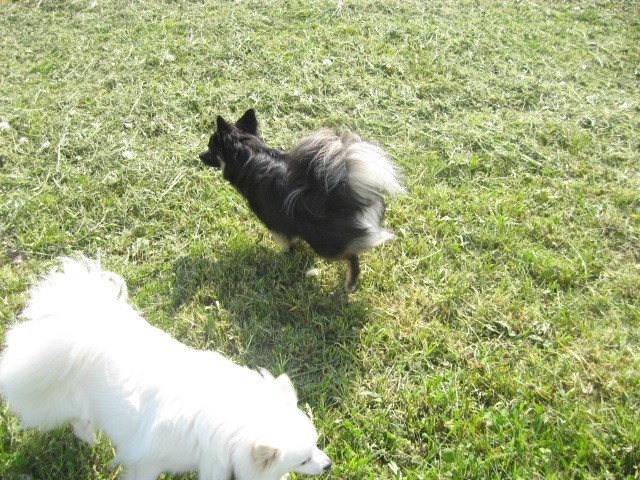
(289, 322)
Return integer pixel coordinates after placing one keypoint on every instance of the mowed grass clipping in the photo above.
(496, 336)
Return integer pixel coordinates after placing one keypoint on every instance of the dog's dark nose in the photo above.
(326, 466)
(206, 157)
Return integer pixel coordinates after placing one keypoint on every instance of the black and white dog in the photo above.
(327, 191)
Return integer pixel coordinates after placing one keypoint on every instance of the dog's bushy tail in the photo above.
(78, 289)
(344, 160)
(41, 353)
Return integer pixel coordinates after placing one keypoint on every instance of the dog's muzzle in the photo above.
(209, 159)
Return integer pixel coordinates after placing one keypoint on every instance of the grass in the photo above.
(495, 337)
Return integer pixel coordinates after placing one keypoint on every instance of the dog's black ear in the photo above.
(223, 126)
(248, 123)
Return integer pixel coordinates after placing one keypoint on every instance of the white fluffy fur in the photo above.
(370, 219)
(84, 356)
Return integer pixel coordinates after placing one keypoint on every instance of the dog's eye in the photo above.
(306, 461)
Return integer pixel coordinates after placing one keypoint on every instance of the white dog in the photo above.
(85, 356)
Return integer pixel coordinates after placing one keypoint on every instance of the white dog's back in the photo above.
(86, 357)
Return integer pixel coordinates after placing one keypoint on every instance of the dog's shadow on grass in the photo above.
(287, 323)
(65, 457)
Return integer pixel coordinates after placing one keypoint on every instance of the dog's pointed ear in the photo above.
(285, 387)
(264, 453)
(248, 122)
(223, 126)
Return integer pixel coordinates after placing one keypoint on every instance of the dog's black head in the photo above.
(227, 134)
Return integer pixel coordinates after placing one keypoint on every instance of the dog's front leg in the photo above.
(282, 240)
(141, 472)
(214, 471)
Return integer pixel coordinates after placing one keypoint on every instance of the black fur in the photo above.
(327, 217)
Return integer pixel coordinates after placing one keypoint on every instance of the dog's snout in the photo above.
(208, 158)
(205, 156)
(326, 466)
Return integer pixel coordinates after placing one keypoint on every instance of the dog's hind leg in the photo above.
(353, 272)
(84, 431)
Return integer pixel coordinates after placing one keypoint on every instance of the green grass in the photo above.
(497, 336)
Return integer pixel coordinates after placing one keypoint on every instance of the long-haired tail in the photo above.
(41, 353)
(335, 160)
(78, 288)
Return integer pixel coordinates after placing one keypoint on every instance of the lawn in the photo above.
(496, 336)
